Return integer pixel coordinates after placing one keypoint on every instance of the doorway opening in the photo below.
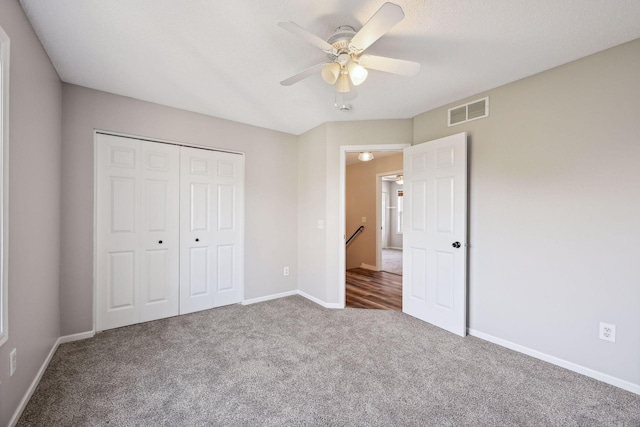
(373, 249)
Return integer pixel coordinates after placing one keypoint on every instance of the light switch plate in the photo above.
(13, 362)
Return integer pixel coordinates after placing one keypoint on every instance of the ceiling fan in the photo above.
(348, 64)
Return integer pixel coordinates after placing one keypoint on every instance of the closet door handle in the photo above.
(160, 241)
(197, 240)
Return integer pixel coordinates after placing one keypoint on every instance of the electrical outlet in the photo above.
(13, 362)
(286, 271)
(607, 332)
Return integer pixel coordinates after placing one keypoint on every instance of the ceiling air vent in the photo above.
(467, 112)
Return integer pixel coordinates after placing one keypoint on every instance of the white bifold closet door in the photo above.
(137, 231)
(169, 230)
(211, 198)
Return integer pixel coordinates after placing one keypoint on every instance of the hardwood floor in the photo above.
(373, 289)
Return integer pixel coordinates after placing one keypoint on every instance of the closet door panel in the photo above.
(197, 204)
(160, 234)
(121, 280)
(229, 238)
(118, 231)
(211, 229)
(169, 230)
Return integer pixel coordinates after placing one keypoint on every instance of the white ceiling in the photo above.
(226, 58)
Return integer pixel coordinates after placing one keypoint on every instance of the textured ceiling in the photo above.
(226, 58)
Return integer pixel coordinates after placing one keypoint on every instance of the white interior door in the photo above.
(137, 196)
(211, 230)
(435, 230)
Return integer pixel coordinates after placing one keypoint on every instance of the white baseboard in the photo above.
(369, 267)
(269, 297)
(34, 384)
(290, 293)
(76, 337)
(617, 382)
(319, 301)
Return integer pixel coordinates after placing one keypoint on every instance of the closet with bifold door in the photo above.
(169, 230)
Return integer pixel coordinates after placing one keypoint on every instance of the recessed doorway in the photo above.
(373, 251)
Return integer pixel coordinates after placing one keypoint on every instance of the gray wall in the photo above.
(555, 210)
(271, 190)
(320, 173)
(34, 208)
(554, 205)
(311, 204)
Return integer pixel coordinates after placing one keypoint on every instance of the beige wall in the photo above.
(555, 210)
(271, 189)
(361, 202)
(34, 208)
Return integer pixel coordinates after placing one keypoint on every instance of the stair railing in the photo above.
(355, 233)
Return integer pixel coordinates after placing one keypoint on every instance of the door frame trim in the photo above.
(379, 214)
(97, 132)
(342, 262)
(163, 141)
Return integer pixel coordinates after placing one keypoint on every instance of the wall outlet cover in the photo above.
(607, 332)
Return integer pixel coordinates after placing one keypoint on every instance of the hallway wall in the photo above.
(360, 202)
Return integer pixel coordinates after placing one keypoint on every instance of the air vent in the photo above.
(467, 112)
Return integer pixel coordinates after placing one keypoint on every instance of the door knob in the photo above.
(160, 241)
(456, 244)
(197, 240)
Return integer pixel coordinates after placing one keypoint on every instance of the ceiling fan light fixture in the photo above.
(365, 156)
(357, 73)
(345, 48)
(331, 72)
(342, 85)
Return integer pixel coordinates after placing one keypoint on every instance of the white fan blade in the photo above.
(311, 38)
(390, 65)
(382, 21)
(303, 75)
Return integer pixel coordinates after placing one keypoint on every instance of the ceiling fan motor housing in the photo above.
(340, 40)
